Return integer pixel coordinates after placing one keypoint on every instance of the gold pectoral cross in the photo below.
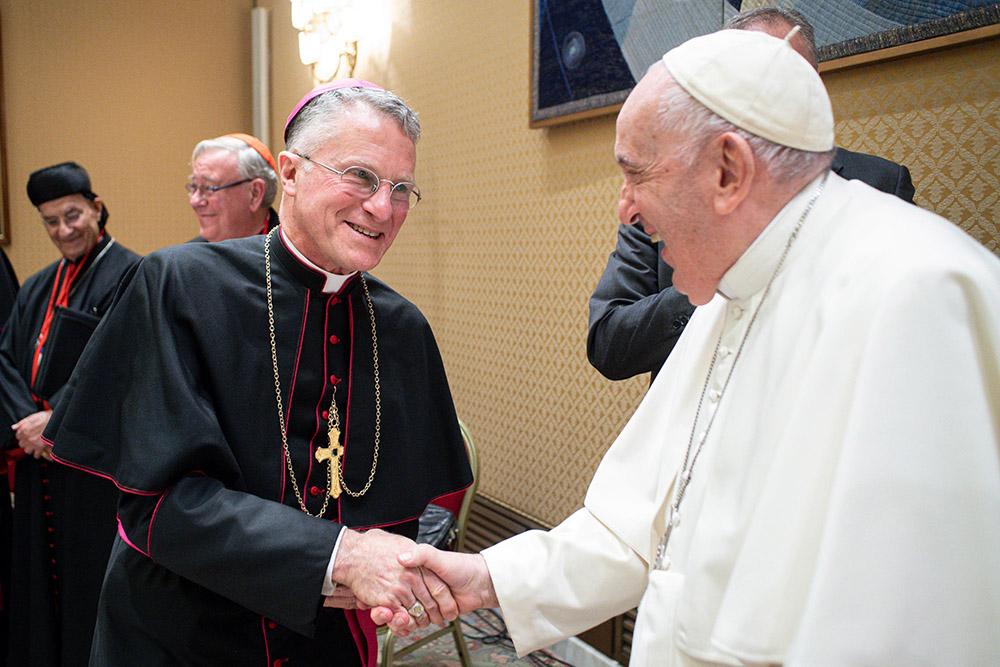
(332, 453)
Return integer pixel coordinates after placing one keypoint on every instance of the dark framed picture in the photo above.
(588, 54)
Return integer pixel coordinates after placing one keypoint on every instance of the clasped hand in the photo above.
(28, 433)
(388, 574)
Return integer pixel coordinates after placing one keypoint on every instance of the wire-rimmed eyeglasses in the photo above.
(365, 183)
(209, 190)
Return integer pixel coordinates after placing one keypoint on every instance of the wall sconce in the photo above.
(328, 35)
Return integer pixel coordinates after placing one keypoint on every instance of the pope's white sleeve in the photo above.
(556, 584)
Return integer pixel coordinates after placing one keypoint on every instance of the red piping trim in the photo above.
(267, 647)
(318, 406)
(152, 520)
(121, 534)
(106, 476)
(350, 389)
(298, 360)
(291, 395)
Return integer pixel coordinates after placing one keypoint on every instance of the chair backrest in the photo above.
(470, 493)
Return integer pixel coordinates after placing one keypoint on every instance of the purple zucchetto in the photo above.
(325, 88)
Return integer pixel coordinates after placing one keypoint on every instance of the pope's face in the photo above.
(73, 224)
(327, 221)
(227, 213)
(663, 190)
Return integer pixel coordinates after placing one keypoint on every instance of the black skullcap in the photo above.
(60, 180)
(67, 178)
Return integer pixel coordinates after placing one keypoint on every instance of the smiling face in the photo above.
(335, 228)
(665, 190)
(72, 223)
(228, 213)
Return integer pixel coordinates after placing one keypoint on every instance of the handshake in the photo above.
(407, 585)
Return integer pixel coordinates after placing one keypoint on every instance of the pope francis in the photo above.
(813, 477)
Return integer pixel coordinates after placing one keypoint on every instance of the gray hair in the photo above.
(686, 117)
(317, 119)
(775, 17)
(249, 163)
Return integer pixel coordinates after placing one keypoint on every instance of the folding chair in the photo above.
(389, 652)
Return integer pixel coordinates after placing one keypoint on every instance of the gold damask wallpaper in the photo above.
(939, 114)
(516, 224)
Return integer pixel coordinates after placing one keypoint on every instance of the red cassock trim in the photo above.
(452, 501)
(121, 534)
(363, 629)
(346, 417)
(98, 473)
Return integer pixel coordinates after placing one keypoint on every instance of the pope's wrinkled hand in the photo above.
(464, 578)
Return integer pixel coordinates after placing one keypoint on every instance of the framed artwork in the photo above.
(588, 54)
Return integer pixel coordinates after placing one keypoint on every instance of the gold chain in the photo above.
(334, 421)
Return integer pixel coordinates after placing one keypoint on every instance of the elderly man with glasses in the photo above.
(232, 185)
(271, 405)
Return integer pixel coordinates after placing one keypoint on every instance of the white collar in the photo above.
(756, 265)
(333, 281)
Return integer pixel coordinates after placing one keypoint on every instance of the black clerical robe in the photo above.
(215, 563)
(64, 520)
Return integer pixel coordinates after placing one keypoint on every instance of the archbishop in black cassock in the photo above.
(215, 562)
(223, 394)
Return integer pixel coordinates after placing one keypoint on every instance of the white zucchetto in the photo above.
(758, 83)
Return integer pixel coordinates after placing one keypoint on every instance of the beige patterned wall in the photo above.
(505, 250)
(126, 89)
(515, 230)
(939, 114)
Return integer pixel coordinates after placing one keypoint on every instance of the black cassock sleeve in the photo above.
(16, 402)
(266, 557)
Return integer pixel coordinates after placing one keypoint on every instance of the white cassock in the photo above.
(845, 508)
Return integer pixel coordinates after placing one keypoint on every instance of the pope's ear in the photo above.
(735, 171)
(288, 170)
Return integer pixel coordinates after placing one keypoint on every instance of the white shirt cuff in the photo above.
(328, 584)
